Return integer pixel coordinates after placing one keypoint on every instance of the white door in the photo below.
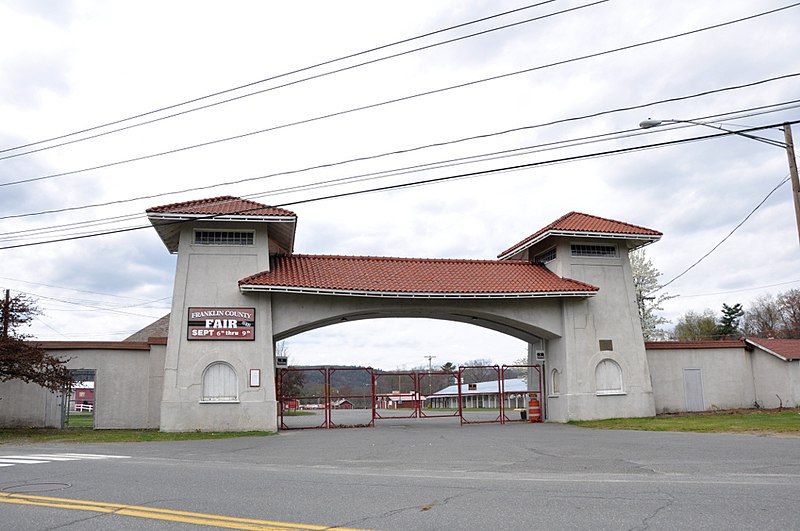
(693, 389)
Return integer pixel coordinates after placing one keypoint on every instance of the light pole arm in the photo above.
(646, 124)
(788, 146)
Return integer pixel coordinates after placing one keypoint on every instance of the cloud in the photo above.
(68, 66)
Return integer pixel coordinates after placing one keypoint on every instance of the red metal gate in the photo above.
(349, 397)
(443, 402)
(475, 396)
(533, 375)
(307, 400)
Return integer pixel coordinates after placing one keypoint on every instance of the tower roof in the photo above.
(167, 219)
(580, 225)
(224, 205)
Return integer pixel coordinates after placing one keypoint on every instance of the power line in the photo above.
(408, 97)
(753, 288)
(784, 181)
(277, 76)
(65, 301)
(91, 222)
(471, 159)
(302, 80)
(75, 289)
(405, 150)
(426, 181)
(459, 161)
(41, 231)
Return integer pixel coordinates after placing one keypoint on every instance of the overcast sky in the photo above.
(69, 65)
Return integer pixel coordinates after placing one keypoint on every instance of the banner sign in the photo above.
(233, 324)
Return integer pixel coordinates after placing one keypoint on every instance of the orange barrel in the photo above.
(534, 409)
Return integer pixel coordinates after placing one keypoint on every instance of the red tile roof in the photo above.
(669, 345)
(223, 205)
(785, 348)
(579, 222)
(374, 275)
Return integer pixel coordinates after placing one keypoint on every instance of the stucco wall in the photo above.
(29, 406)
(122, 385)
(127, 389)
(726, 376)
(775, 377)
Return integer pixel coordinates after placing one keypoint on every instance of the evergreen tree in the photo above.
(729, 322)
(449, 367)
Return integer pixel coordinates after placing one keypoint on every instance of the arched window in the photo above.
(608, 378)
(220, 383)
(555, 384)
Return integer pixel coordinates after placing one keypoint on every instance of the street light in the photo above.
(788, 146)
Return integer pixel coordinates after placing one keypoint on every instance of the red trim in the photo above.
(671, 345)
(92, 345)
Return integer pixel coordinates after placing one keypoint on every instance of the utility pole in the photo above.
(6, 312)
(787, 133)
(430, 368)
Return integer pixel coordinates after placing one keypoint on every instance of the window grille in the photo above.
(220, 383)
(608, 378)
(547, 256)
(211, 237)
(601, 251)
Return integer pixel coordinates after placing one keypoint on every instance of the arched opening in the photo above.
(220, 383)
(608, 378)
(555, 382)
(418, 363)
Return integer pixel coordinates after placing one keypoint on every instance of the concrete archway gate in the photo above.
(240, 287)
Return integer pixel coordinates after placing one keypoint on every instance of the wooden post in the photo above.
(787, 133)
(6, 312)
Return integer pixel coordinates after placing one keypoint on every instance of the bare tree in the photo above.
(789, 308)
(763, 318)
(481, 371)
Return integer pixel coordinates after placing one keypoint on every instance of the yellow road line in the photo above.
(156, 513)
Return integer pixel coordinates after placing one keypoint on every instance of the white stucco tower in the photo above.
(598, 367)
(209, 376)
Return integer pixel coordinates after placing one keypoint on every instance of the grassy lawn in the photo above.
(299, 413)
(88, 435)
(786, 421)
(80, 420)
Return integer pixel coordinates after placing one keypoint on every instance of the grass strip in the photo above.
(786, 421)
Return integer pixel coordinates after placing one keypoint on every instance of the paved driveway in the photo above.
(428, 474)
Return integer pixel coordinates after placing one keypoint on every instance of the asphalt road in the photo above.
(429, 474)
